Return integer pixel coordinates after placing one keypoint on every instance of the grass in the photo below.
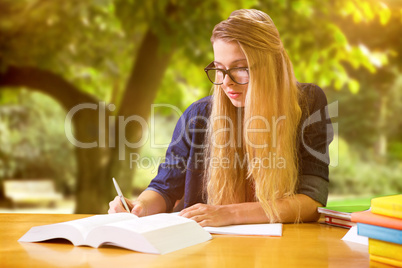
(359, 201)
(335, 201)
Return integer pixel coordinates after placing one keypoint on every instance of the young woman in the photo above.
(244, 154)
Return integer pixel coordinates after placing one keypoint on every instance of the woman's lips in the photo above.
(234, 95)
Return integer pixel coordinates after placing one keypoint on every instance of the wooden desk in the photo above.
(302, 245)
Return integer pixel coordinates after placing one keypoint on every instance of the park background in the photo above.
(55, 55)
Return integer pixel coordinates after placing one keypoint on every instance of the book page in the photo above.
(273, 229)
(352, 236)
(75, 231)
(342, 212)
(158, 234)
(151, 223)
(85, 225)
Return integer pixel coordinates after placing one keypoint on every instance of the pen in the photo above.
(120, 194)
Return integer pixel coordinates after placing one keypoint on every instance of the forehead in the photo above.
(227, 53)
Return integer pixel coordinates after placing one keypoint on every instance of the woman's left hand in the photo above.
(210, 215)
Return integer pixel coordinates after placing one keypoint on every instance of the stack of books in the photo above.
(340, 216)
(383, 226)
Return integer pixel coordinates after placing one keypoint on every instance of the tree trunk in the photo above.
(142, 85)
(380, 147)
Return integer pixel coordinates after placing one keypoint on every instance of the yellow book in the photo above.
(386, 260)
(388, 206)
(385, 249)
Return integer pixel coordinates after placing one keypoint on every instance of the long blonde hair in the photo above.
(246, 160)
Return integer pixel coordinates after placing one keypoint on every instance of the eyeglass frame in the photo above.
(225, 72)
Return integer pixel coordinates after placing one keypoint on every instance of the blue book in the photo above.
(380, 233)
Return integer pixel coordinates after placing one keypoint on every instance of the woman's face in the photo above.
(229, 55)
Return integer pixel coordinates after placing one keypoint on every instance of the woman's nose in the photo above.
(227, 81)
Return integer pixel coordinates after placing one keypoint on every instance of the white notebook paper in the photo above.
(273, 229)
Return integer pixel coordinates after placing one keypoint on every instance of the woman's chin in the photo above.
(237, 103)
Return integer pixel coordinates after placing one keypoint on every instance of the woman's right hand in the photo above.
(136, 207)
(148, 202)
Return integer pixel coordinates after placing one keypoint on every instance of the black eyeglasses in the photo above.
(239, 75)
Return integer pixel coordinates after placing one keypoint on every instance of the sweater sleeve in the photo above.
(169, 182)
(316, 133)
(177, 176)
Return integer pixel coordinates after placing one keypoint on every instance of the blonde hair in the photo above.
(272, 96)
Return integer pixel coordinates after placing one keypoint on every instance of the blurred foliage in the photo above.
(359, 115)
(352, 48)
(312, 34)
(352, 176)
(31, 138)
(90, 42)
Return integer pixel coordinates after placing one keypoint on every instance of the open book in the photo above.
(158, 234)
